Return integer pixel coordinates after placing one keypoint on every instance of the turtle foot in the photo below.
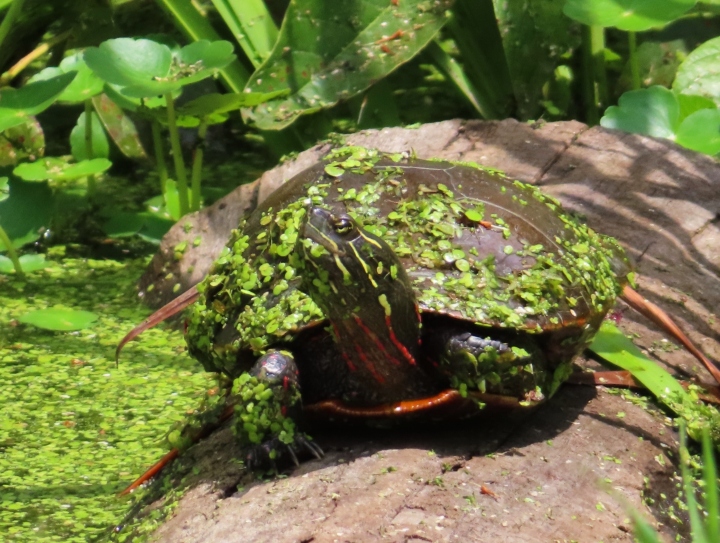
(274, 451)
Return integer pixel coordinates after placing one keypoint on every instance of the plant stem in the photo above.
(159, 155)
(594, 77)
(180, 172)
(11, 253)
(9, 20)
(197, 165)
(91, 185)
(634, 61)
(23, 63)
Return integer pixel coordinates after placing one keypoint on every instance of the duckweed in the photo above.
(75, 429)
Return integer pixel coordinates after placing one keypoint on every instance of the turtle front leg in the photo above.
(508, 366)
(269, 403)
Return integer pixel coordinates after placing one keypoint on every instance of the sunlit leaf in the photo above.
(85, 85)
(58, 169)
(699, 73)
(28, 263)
(16, 105)
(358, 47)
(612, 345)
(634, 15)
(654, 112)
(59, 319)
(100, 145)
(144, 68)
(700, 131)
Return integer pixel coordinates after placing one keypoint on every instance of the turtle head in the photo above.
(362, 287)
(344, 262)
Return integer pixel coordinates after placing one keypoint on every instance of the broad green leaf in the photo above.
(26, 211)
(100, 145)
(57, 169)
(26, 140)
(121, 128)
(658, 63)
(28, 263)
(124, 224)
(700, 131)
(127, 61)
(612, 345)
(4, 188)
(85, 85)
(16, 105)
(690, 104)
(195, 25)
(536, 39)
(699, 73)
(327, 55)
(653, 112)
(252, 25)
(59, 319)
(632, 15)
(145, 68)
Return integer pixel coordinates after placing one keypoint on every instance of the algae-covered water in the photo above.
(74, 429)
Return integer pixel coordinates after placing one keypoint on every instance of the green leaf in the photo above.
(699, 74)
(534, 33)
(127, 61)
(58, 169)
(612, 345)
(144, 68)
(212, 104)
(100, 145)
(361, 43)
(16, 105)
(632, 15)
(690, 104)
(653, 112)
(121, 128)
(20, 142)
(4, 188)
(700, 131)
(85, 85)
(195, 25)
(59, 319)
(28, 263)
(26, 211)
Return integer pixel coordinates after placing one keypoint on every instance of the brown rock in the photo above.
(661, 201)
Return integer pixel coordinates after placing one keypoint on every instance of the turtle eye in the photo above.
(342, 226)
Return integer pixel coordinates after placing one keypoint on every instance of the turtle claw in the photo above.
(268, 453)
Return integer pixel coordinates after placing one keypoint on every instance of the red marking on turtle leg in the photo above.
(368, 364)
(408, 357)
(377, 341)
(349, 362)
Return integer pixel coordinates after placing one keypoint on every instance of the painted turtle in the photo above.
(382, 284)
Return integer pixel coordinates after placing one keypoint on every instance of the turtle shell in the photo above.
(477, 246)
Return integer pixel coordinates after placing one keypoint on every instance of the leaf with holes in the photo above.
(323, 56)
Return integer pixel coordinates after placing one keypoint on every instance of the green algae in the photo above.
(75, 429)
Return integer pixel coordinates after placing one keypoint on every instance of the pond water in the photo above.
(75, 430)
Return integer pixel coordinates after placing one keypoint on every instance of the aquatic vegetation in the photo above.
(76, 429)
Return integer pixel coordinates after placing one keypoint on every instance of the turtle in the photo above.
(374, 280)
(378, 285)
